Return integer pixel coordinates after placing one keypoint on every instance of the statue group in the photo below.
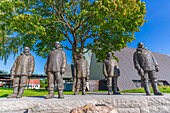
(23, 67)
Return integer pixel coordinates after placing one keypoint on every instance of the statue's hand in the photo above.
(141, 72)
(118, 74)
(62, 70)
(105, 78)
(157, 68)
(87, 79)
(12, 77)
(29, 73)
(45, 71)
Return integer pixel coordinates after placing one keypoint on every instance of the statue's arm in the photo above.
(64, 62)
(118, 69)
(12, 71)
(45, 68)
(137, 65)
(155, 62)
(136, 61)
(104, 70)
(32, 65)
(88, 70)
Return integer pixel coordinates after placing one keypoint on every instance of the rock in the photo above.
(95, 109)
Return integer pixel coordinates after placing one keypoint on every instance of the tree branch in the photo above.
(59, 21)
(92, 35)
(88, 30)
(67, 34)
(86, 51)
(80, 24)
(57, 29)
(67, 48)
(65, 22)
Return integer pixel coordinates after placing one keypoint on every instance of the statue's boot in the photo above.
(155, 89)
(109, 90)
(77, 92)
(146, 87)
(21, 91)
(83, 92)
(50, 95)
(115, 92)
(60, 94)
(15, 92)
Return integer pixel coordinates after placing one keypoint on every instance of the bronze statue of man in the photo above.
(147, 66)
(23, 68)
(54, 68)
(82, 75)
(112, 72)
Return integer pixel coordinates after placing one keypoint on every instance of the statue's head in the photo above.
(141, 45)
(81, 55)
(109, 54)
(57, 44)
(26, 49)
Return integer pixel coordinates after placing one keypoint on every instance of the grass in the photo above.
(164, 89)
(4, 92)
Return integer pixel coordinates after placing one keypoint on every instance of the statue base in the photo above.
(124, 103)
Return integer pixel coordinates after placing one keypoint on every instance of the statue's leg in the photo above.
(154, 82)
(74, 84)
(60, 85)
(115, 86)
(84, 86)
(78, 83)
(15, 87)
(145, 82)
(50, 85)
(109, 85)
(74, 79)
(23, 84)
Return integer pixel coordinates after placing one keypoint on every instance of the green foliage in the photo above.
(110, 24)
(121, 19)
(44, 83)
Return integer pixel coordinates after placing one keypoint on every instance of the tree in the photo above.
(102, 25)
(44, 83)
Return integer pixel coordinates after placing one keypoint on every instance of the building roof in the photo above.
(3, 72)
(33, 81)
(127, 69)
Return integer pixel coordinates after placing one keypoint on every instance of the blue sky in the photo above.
(155, 34)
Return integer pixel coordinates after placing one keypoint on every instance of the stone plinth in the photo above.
(125, 103)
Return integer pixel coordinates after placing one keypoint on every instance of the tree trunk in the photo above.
(74, 76)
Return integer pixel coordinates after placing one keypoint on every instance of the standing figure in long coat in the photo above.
(147, 66)
(23, 68)
(82, 69)
(112, 72)
(54, 68)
